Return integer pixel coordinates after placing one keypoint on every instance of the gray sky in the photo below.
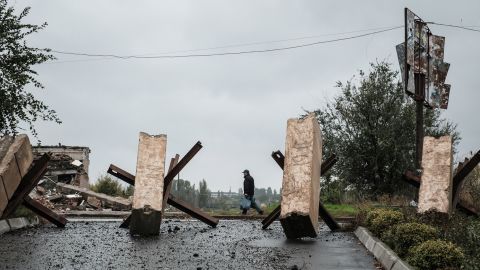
(237, 106)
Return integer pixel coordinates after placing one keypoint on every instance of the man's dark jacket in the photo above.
(248, 185)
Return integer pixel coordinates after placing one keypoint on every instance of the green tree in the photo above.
(17, 105)
(128, 191)
(184, 190)
(204, 194)
(370, 126)
(107, 185)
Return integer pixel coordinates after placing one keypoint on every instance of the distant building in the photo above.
(69, 164)
(228, 194)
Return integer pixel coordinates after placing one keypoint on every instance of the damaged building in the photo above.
(69, 164)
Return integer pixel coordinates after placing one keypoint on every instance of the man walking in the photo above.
(249, 190)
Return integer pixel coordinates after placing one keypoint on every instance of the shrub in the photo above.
(404, 236)
(380, 220)
(435, 254)
(469, 240)
(462, 230)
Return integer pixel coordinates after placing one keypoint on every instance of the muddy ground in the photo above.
(183, 244)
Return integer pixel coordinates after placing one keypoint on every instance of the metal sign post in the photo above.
(423, 72)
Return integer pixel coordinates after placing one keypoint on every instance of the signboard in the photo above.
(421, 63)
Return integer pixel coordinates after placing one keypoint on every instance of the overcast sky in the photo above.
(237, 106)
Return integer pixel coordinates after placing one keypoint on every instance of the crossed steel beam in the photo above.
(324, 214)
(463, 169)
(174, 169)
(21, 194)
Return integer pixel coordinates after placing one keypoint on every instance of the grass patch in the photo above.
(341, 210)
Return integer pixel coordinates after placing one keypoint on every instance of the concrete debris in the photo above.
(94, 203)
(69, 164)
(116, 203)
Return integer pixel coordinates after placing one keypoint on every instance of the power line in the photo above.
(456, 26)
(226, 53)
(231, 45)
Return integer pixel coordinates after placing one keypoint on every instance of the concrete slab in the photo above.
(436, 185)
(401, 265)
(301, 178)
(4, 226)
(17, 223)
(362, 234)
(3, 197)
(148, 193)
(385, 255)
(17, 158)
(24, 154)
(371, 242)
(115, 202)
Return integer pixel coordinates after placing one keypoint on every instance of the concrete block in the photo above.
(3, 197)
(114, 202)
(17, 158)
(385, 255)
(401, 265)
(148, 193)
(24, 154)
(370, 243)
(362, 234)
(17, 223)
(436, 186)
(301, 178)
(4, 226)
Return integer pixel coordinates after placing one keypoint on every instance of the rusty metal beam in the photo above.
(192, 211)
(328, 164)
(271, 217)
(44, 212)
(175, 202)
(467, 210)
(461, 174)
(324, 214)
(121, 174)
(28, 182)
(414, 180)
(126, 222)
(168, 187)
(182, 163)
(411, 178)
(130, 178)
(279, 158)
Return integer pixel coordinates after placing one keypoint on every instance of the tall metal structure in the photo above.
(423, 71)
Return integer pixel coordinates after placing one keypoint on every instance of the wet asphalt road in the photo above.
(183, 244)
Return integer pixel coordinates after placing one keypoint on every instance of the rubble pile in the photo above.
(62, 197)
